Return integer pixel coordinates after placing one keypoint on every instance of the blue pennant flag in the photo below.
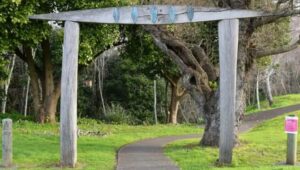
(172, 14)
(154, 12)
(116, 15)
(134, 14)
(190, 13)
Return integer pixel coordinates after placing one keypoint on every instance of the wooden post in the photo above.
(7, 143)
(68, 105)
(228, 51)
(291, 157)
(291, 128)
(155, 103)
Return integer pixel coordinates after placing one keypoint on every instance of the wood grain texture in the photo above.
(68, 106)
(7, 143)
(228, 49)
(291, 155)
(105, 15)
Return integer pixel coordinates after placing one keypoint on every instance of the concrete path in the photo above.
(256, 118)
(148, 154)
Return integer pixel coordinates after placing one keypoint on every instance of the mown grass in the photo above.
(279, 101)
(264, 147)
(37, 146)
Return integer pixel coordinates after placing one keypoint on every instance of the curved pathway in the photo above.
(148, 154)
(252, 120)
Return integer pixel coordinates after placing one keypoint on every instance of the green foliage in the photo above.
(86, 106)
(127, 86)
(17, 29)
(36, 147)
(85, 122)
(149, 59)
(263, 148)
(213, 85)
(3, 69)
(116, 114)
(16, 117)
(209, 34)
(204, 34)
(95, 39)
(272, 36)
(3, 74)
(263, 62)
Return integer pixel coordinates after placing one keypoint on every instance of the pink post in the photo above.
(291, 128)
(291, 124)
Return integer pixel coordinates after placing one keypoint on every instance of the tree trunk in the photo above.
(45, 93)
(50, 105)
(283, 85)
(166, 101)
(268, 88)
(177, 92)
(50, 92)
(183, 114)
(257, 91)
(174, 105)
(198, 71)
(35, 86)
(100, 67)
(7, 84)
(155, 102)
(26, 96)
(99, 70)
(211, 114)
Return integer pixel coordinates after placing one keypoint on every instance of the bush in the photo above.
(88, 122)
(117, 114)
(16, 117)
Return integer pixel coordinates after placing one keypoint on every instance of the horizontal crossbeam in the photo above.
(149, 14)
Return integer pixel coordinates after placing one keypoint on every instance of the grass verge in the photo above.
(36, 146)
(279, 101)
(261, 148)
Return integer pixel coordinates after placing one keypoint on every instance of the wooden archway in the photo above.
(149, 15)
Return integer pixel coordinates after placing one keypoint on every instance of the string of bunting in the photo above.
(154, 12)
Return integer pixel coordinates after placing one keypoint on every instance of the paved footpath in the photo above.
(148, 154)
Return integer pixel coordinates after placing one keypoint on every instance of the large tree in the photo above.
(39, 45)
(152, 62)
(199, 71)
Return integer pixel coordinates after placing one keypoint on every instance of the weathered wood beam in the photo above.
(228, 49)
(68, 106)
(106, 15)
(7, 143)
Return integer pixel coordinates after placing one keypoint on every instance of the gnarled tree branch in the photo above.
(274, 17)
(259, 53)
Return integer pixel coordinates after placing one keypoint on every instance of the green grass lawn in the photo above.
(261, 148)
(279, 101)
(37, 146)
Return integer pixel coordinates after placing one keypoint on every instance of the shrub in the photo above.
(16, 116)
(117, 114)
